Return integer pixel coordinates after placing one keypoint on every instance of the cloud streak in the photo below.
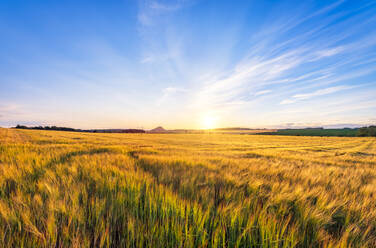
(320, 92)
(151, 10)
(174, 61)
(319, 61)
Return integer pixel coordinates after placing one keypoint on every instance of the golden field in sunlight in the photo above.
(63, 189)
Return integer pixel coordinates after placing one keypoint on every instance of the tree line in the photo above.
(367, 131)
(82, 130)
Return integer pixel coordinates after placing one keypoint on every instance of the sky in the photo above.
(187, 63)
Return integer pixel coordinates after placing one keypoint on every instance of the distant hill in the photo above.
(310, 131)
(158, 130)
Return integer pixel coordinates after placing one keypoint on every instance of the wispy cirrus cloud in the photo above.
(249, 62)
(320, 92)
(262, 92)
(328, 52)
(9, 109)
(295, 58)
(171, 92)
(151, 10)
(279, 63)
(165, 7)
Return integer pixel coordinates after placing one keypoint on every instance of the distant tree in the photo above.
(362, 132)
(367, 131)
(372, 131)
(21, 126)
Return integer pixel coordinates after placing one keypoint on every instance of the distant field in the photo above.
(250, 131)
(219, 131)
(316, 132)
(63, 189)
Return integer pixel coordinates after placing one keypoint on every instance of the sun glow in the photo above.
(208, 122)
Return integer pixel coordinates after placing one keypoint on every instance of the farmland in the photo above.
(65, 189)
(345, 132)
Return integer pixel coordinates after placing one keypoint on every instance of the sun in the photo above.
(208, 122)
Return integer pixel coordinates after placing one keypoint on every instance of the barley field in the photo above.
(65, 189)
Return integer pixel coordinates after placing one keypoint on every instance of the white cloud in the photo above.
(170, 92)
(291, 64)
(328, 53)
(319, 92)
(144, 19)
(9, 110)
(149, 11)
(287, 101)
(262, 92)
(9, 107)
(147, 59)
(165, 7)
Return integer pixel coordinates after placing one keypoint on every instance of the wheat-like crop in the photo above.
(66, 189)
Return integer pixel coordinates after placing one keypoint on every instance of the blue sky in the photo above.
(187, 63)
